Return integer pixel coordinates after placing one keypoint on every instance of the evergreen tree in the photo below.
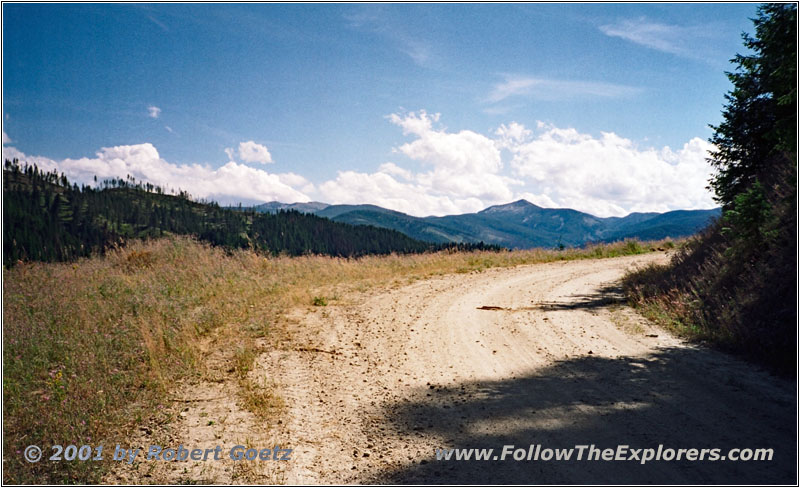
(757, 138)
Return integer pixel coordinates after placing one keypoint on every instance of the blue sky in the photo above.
(428, 109)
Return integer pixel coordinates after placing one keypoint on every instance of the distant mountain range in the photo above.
(518, 225)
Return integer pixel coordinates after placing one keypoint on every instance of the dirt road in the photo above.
(540, 354)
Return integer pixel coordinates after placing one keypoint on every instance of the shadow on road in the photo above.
(678, 397)
(603, 297)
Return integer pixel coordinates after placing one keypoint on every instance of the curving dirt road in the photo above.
(542, 354)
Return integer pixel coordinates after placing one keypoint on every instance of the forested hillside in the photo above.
(45, 218)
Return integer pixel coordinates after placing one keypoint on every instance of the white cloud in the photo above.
(250, 152)
(11, 153)
(512, 134)
(6, 139)
(609, 175)
(554, 89)
(153, 111)
(464, 164)
(230, 183)
(169, 129)
(395, 170)
(511, 87)
(686, 41)
(157, 22)
(296, 181)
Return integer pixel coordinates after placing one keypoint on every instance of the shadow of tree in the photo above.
(603, 297)
(678, 397)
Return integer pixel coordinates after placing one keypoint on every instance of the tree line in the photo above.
(47, 218)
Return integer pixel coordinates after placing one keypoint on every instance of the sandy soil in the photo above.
(543, 354)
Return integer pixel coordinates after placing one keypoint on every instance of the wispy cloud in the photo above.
(362, 18)
(157, 22)
(554, 89)
(417, 50)
(685, 41)
(378, 21)
(153, 111)
(151, 13)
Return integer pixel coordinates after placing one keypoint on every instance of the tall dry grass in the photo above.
(733, 293)
(92, 348)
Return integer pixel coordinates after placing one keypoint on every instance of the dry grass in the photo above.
(92, 348)
(727, 292)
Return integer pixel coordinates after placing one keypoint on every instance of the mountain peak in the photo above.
(518, 206)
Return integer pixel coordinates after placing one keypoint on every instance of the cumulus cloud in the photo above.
(6, 139)
(512, 134)
(464, 164)
(251, 152)
(395, 170)
(153, 111)
(610, 175)
(296, 181)
(231, 183)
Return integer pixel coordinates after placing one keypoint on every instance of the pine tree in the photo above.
(758, 134)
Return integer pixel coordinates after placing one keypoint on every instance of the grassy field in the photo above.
(93, 348)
